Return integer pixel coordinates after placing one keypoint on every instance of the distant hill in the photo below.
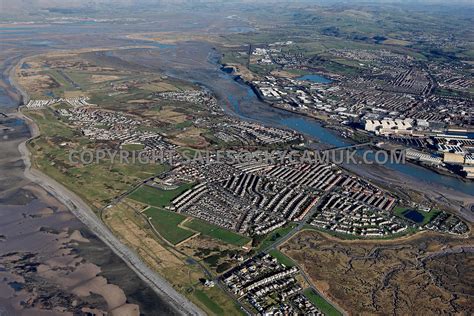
(13, 6)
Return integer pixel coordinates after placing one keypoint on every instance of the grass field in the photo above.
(281, 258)
(184, 277)
(216, 302)
(49, 125)
(210, 304)
(166, 223)
(216, 232)
(427, 216)
(321, 303)
(274, 236)
(133, 147)
(157, 197)
(96, 183)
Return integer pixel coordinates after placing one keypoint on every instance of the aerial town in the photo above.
(260, 195)
(224, 157)
(391, 101)
(256, 196)
(269, 286)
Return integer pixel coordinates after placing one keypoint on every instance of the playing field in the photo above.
(217, 232)
(157, 197)
(166, 223)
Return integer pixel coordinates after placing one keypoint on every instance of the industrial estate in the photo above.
(211, 191)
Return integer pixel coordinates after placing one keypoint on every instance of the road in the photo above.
(85, 214)
(208, 273)
(292, 233)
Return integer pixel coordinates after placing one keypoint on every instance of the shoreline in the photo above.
(388, 176)
(84, 214)
(324, 124)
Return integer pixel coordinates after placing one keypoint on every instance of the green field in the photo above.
(269, 239)
(157, 197)
(49, 125)
(166, 223)
(133, 147)
(321, 303)
(281, 258)
(427, 216)
(217, 232)
(203, 298)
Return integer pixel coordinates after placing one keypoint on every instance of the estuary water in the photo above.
(198, 62)
(313, 128)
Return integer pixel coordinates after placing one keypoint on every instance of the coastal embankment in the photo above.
(86, 215)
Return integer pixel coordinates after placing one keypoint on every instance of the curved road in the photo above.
(85, 214)
(291, 234)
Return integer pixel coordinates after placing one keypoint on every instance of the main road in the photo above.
(291, 234)
(85, 214)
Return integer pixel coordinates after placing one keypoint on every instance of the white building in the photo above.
(389, 126)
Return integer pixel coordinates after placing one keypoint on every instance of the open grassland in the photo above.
(166, 223)
(366, 275)
(168, 114)
(190, 137)
(326, 308)
(215, 302)
(185, 277)
(96, 182)
(262, 242)
(216, 255)
(281, 258)
(206, 300)
(133, 147)
(217, 232)
(49, 125)
(157, 197)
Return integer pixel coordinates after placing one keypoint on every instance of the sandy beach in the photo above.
(55, 217)
(85, 214)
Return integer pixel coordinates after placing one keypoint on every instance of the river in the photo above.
(198, 62)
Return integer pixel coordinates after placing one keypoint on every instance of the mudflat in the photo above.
(47, 256)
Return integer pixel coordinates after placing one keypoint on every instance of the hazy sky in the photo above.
(29, 5)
